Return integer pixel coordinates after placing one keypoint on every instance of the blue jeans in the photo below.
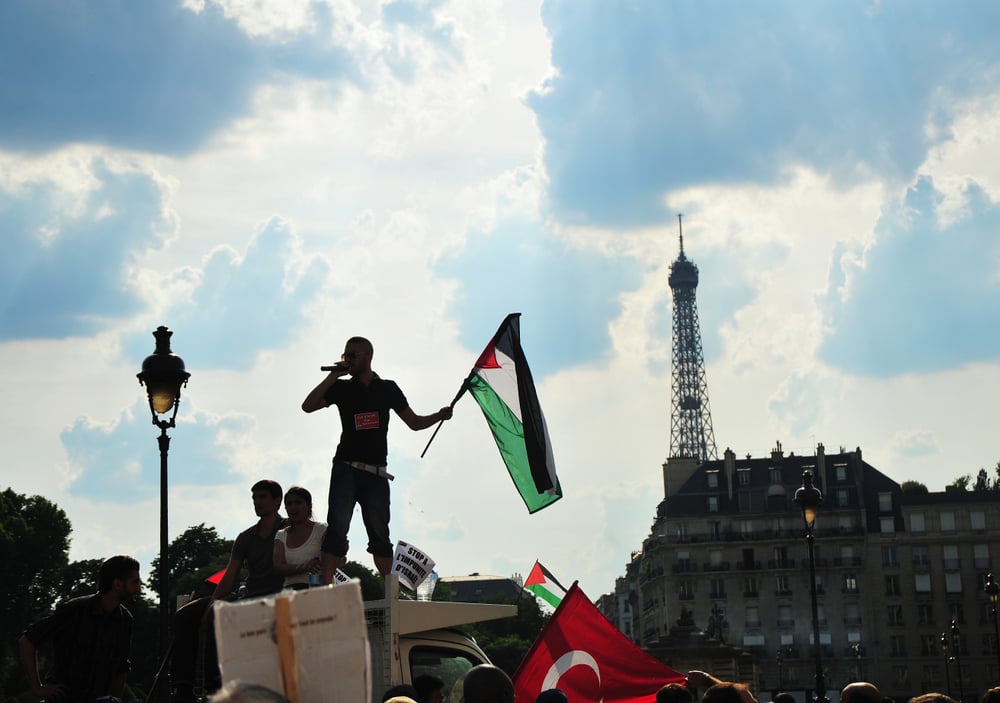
(350, 486)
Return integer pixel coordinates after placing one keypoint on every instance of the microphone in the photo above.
(336, 367)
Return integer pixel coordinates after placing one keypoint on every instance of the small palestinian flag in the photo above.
(501, 383)
(543, 584)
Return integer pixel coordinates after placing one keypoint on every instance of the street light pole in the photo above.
(163, 375)
(947, 662)
(992, 589)
(956, 643)
(809, 498)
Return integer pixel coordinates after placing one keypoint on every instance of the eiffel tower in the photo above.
(690, 416)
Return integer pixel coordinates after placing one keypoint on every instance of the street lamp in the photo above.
(992, 589)
(947, 662)
(956, 643)
(163, 375)
(809, 498)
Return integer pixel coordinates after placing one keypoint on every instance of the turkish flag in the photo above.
(586, 656)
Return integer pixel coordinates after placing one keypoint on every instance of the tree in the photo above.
(372, 583)
(962, 482)
(913, 487)
(982, 481)
(507, 640)
(34, 549)
(193, 556)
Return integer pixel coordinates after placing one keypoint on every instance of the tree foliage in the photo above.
(34, 550)
(192, 557)
(507, 640)
(913, 487)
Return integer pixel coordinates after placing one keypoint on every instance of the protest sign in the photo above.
(319, 636)
(412, 564)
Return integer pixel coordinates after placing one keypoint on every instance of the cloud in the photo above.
(648, 97)
(149, 76)
(568, 296)
(241, 304)
(921, 298)
(69, 253)
(119, 462)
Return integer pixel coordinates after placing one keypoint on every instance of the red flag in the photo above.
(216, 577)
(586, 656)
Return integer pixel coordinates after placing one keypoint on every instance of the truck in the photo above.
(410, 638)
(300, 642)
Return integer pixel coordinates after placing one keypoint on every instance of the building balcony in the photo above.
(852, 620)
(751, 594)
(850, 591)
(684, 567)
(717, 594)
(721, 566)
(781, 563)
(685, 596)
(952, 564)
(748, 565)
(847, 561)
(786, 622)
(783, 593)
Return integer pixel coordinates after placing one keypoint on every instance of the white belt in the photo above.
(371, 468)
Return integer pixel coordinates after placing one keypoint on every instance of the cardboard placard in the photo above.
(324, 652)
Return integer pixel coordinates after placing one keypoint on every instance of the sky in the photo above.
(270, 177)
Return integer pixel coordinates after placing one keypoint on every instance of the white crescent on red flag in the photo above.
(582, 653)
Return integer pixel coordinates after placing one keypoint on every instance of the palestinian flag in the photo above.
(501, 384)
(543, 584)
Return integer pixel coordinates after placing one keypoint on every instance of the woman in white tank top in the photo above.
(297, 547)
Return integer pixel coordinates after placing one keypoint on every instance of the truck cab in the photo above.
(410, 638)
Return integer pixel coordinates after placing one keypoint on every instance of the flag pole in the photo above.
(461, 392)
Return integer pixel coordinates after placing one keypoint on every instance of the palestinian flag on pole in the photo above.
(501, 384)
(543, 584)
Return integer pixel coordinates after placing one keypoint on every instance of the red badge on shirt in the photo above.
(366, 421)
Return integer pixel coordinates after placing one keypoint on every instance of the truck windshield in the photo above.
(449, 665)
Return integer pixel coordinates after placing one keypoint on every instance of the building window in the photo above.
(743, 477)
(775, 475)
(784, 586)
(977, 520)
(718, 588)
(925, 614)
(750, 587)
(922, 583)
(753, 616)
(917, 523)
(715, 559)
(852, 615)
(901, 675)
(895, 614)
(785, 618)
(713, 478)
(887, 525)
(682, 532)
(850, 583)
(947, 521)
(897, 645)
(956, 613)
(921, 556)
(928, 645)
(781, 557)
(950, 556)
(713, 504)
(841, 472)
(892, 587)
(981, 556)
(686, 589)
(885, 502)
(890, 555)
(714, 530)
(842, 498)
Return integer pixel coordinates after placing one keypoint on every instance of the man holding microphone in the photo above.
(359, 473)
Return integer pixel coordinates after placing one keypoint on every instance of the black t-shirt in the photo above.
(364, 417)
(257, 552)
(90, 647)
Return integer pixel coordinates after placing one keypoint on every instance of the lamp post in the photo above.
(163, 375)
(859, 651)
(992, 589)
(956, 644)
(809, 498)
(947, 661)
